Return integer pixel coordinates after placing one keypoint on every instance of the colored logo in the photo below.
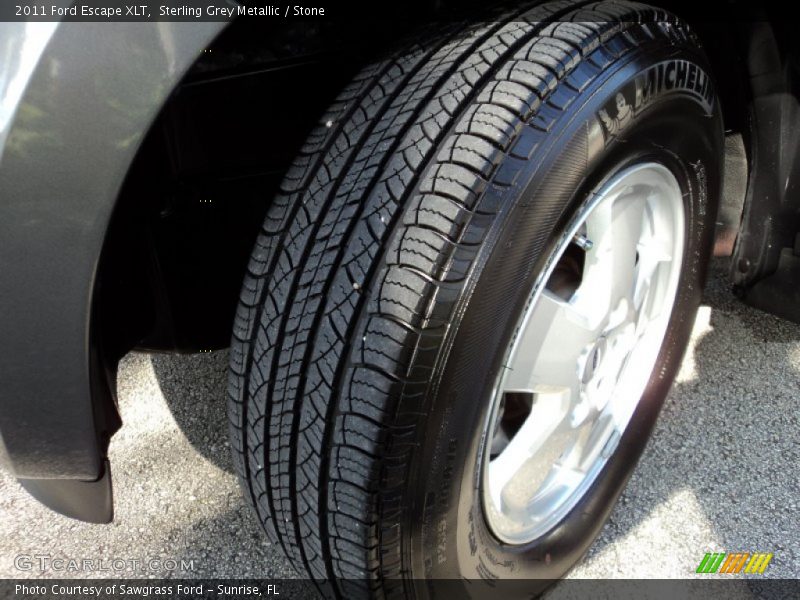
(743, 562)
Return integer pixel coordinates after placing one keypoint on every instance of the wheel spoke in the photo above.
(553, 339)
(550, 407)
(653, 253)
(522, 467)
(610, 274)
(558, 483)
(590, 440)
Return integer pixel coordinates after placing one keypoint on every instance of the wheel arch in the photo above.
(79, 122)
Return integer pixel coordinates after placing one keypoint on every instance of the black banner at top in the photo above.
(264, 10)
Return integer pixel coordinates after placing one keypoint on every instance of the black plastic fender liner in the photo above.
(765, 269)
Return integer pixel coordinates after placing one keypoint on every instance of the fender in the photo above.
(84, 105)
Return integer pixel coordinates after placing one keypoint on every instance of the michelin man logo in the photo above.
(622, 118)
(671, 77)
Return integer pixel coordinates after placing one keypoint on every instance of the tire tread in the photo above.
(376, 227)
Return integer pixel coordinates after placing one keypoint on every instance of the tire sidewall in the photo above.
(451, 540)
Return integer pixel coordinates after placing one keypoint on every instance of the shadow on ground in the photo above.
(194, 390)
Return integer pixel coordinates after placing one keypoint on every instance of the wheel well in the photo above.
(756, 58)
(196, 194)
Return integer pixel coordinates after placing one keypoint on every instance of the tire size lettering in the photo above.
(441, 541)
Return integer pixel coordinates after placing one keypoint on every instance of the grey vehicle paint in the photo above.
(83, 99)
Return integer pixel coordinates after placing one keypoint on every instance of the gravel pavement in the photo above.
(722, 472)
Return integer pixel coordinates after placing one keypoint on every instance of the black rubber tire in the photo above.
(389, 273)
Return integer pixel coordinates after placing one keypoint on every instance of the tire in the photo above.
(392, 270)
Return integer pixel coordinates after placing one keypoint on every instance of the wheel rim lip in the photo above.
(656, 332)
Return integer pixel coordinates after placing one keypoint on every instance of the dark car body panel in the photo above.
(85, 109)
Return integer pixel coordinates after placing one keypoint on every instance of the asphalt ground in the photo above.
(721, 473)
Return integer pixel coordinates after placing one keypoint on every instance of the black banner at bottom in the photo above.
(289, 589)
